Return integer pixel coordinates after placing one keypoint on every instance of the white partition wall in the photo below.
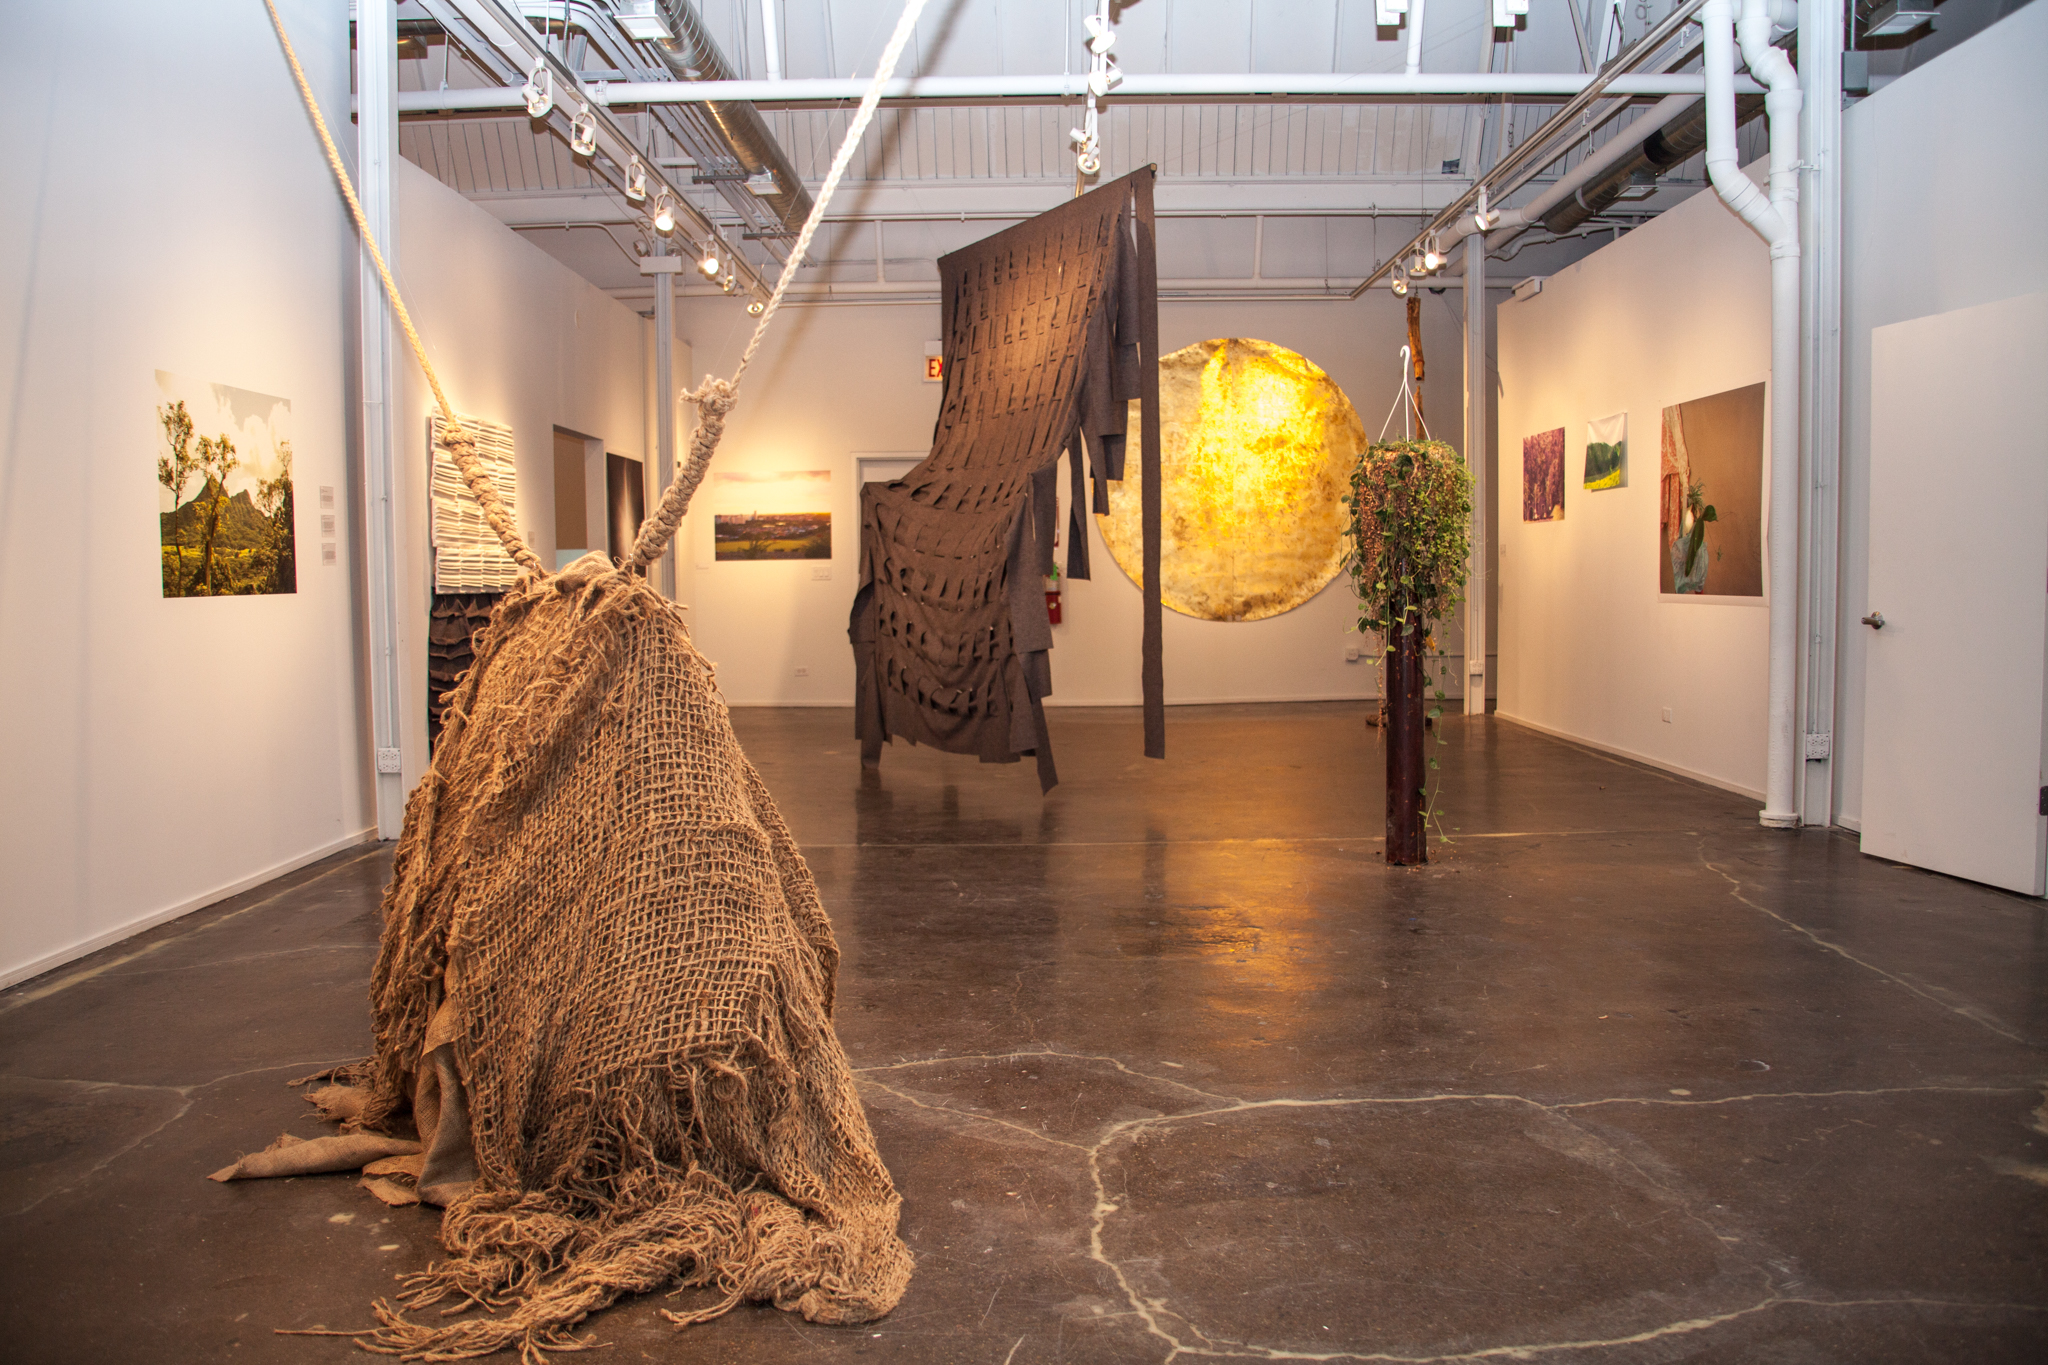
(161, 753)
(1590, 648)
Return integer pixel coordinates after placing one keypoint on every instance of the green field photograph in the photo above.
(771, 514)
(225, 516)
(1607, 453)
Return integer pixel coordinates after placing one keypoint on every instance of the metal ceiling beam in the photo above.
(514, 42)
(1558, 134)
(1311, 88)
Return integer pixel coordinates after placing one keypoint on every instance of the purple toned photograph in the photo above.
(1543, 476)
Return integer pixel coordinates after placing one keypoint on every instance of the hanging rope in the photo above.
(1405, 396)
(461, 442)
(714, 398)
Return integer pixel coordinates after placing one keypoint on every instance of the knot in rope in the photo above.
(715, 397)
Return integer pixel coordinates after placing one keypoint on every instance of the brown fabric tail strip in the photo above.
(461, 441)
(1154, 678)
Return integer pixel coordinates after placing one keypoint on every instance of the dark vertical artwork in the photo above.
(1543, 476)
(625, 494)
(1051, 331)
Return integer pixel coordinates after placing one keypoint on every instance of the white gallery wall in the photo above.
(1940, 136)
(163, 753)
(834, 381)
(1678, 309)
(518, 339)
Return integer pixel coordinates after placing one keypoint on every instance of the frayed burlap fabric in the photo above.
(604, 956)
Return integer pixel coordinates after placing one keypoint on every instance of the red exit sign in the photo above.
(934, 369)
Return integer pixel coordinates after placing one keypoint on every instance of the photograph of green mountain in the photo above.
(225, 517)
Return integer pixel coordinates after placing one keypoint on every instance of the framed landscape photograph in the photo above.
(775, 514)
(225, 516)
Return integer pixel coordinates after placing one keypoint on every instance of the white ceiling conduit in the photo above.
(691, 54)
(1776, 220)
(1319, 87)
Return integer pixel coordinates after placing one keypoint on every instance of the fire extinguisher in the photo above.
(1052, 590)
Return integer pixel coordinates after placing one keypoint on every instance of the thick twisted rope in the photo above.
(715, 397)
(461, 442)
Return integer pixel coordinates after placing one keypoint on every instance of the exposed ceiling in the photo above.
(1260, 197)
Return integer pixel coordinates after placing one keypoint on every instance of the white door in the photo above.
(1953, 694)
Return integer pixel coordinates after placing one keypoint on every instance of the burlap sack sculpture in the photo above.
(604, 991)
(604, 995)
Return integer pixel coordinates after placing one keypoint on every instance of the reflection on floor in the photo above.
(1167, 1065)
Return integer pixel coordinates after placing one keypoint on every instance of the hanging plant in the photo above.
(1411, 507)
(1411, 510)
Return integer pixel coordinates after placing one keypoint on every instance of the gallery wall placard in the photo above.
(468, 556)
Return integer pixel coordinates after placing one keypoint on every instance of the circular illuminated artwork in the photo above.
(1257, 446)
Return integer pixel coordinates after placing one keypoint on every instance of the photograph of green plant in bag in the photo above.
(1710, 504)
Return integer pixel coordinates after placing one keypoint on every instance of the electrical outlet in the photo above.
(1351, 654)
(820, 575)
(387, 761)
(803, 672)
(1667, 715)
(326, 495)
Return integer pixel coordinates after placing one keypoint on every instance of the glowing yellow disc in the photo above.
(1257, 446)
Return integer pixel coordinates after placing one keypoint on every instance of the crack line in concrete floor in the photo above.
(1970, 1012)
(1149, 1311)
(183, 1092)
(27, 996)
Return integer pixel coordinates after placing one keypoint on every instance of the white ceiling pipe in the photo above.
(1776, 220)
(1311, 87)
(1624, 144)
(771, 40)
(1415, 36)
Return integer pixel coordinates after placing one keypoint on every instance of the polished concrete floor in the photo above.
(1168, 1065)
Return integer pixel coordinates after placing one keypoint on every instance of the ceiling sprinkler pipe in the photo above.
(693, 56)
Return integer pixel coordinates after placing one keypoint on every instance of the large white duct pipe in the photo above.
(1776, 220)
(1623, 144)
(1414, 36)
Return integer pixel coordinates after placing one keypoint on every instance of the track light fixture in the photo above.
(539, 90)
(1432, 259)
(709, 265)
(583, 133)
(1485, 219)
(728, 282)
(756, 308)
(664, 214)
(636, 180)
(1399, 285)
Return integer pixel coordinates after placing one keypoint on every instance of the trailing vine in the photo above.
(1411, 510)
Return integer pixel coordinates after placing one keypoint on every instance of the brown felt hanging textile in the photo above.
(1052, 327)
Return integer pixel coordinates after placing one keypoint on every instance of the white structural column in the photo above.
(1475, 460)
(1820, 417)
(376, 150)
